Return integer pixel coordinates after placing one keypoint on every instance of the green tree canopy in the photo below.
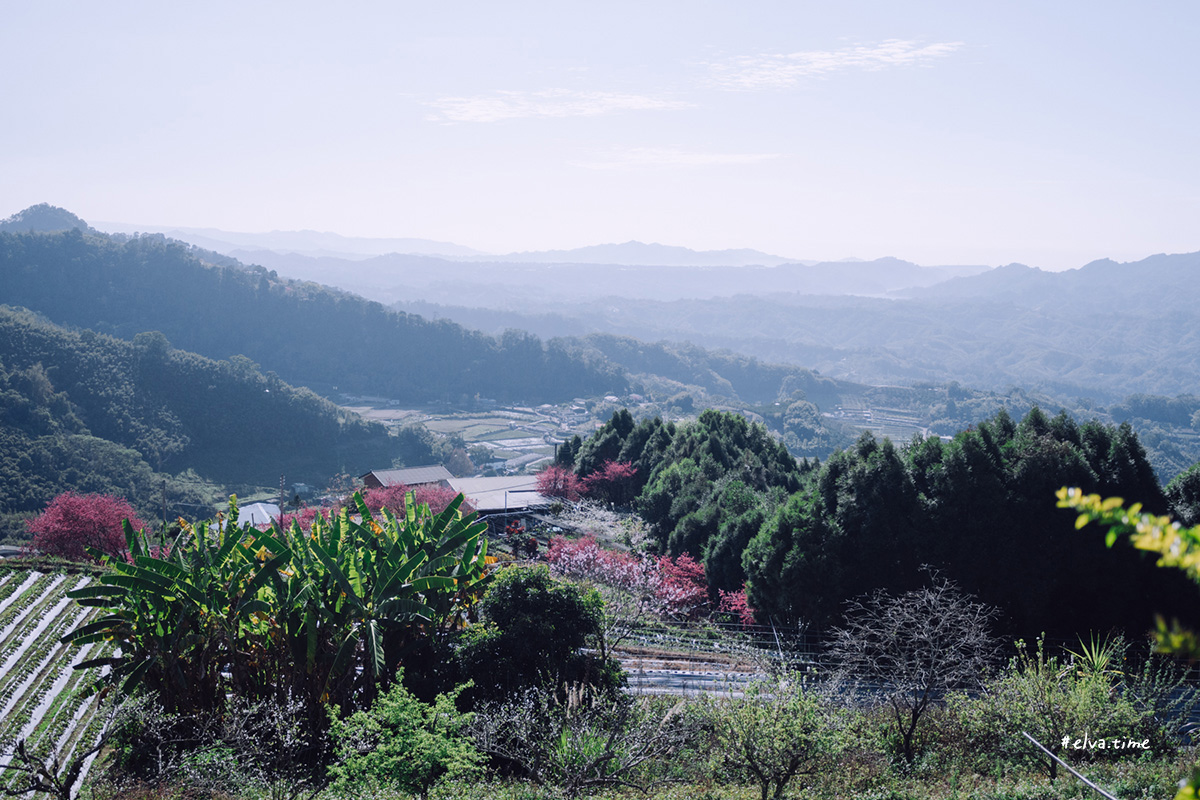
(537, 629)
(978, 508)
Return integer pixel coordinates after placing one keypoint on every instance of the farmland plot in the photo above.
(43, 700)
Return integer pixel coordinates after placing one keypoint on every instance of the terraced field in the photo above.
(42, 698)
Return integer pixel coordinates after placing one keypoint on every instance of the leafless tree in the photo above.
(908, 650)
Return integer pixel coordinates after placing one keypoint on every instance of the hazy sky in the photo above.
(1049, 133)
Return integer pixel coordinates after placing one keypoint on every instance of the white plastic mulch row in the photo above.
(48, 695)
(87, 764)
(83, 708)
(28, 640)
(65, 673)
(12, 598)
(23, 635)
(54, 652)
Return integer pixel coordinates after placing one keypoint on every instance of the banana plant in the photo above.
(326, 614)
(185, 618)
(361, 592)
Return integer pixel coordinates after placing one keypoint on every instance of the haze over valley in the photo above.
(881, 321)
(816, 351)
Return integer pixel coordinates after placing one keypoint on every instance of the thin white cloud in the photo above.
(548, 103)
(780, 70)
(641, 158)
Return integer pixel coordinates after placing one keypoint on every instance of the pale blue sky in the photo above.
(1049, 133)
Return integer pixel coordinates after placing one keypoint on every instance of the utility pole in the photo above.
(162, 535)
(280, 520)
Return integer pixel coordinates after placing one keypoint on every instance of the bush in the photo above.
(1053, 700)
(400, 743)
(775, 733)
(537, 630)
(584, 741)
(1160, 691)
(265, 748)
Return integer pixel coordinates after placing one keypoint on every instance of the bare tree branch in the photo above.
(909, 650)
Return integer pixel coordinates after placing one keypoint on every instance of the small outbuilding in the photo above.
(258, 514)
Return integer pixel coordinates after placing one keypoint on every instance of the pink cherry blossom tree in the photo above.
(682, 586)
(304, 517)
(737, 605)
(560, 482)
(613, 482)
(73, 522)
(667, 587)
(435, 496)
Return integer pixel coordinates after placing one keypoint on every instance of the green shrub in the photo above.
(536, 634)
(1057, 702)
(1159, 689)
(775, 733)
(402, 743)
(264, 749)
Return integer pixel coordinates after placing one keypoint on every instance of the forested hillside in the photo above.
(93, 413)
(310, 335)
(720, 373)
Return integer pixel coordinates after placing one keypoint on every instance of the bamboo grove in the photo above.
(321, 616)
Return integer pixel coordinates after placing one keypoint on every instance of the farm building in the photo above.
(408, 476)
(500, 500)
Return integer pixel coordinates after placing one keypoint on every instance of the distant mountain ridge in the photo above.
(403, 269)
(317, 244)
(305, 242)
(1103, 331)
(641, 254)
(1162, 278)
(514, 286)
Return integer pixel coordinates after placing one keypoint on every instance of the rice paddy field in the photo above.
(520, 436)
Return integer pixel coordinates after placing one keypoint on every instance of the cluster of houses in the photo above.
(497, 500)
